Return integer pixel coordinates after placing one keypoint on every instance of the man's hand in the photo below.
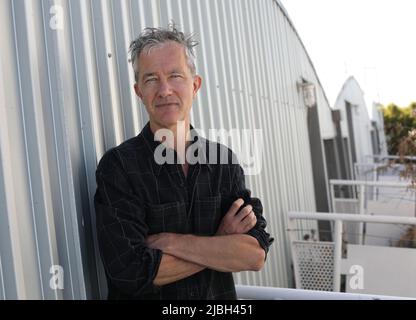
(237, 223)
(161, 241)
(171, 268)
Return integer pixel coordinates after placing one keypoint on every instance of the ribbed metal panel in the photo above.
(378, 118)
(352, 93)
(66, 96)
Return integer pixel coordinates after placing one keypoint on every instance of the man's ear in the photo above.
(197, 84)
(137, 90)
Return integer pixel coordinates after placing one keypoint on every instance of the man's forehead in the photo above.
(154, 49)
(167, 60)
(162, 67)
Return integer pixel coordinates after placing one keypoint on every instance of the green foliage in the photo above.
(400, 128)
(397, 124)
(408, 147)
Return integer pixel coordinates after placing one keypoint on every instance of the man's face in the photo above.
(165, 85)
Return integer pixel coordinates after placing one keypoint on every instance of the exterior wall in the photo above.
(377, 117)
(352, 93)
(325, 117)
(66, 96)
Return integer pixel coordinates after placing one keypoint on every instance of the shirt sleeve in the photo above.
(239, 190)
(130, 265)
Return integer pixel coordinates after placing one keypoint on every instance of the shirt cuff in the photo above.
(262, 237)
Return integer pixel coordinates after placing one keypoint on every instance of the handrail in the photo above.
(391, 157)
(275, 293)
(350, 217)
(370, 183)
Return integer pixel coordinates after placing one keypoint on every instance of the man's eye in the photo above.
(176, 76)
(148, 80)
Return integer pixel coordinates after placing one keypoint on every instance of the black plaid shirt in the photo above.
(137, 197)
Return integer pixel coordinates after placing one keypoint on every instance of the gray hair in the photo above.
(151, 37)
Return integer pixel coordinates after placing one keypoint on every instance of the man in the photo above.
(173, 230)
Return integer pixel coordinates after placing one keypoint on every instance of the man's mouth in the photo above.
(161, 105)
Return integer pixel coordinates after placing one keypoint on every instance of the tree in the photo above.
(398, 122)
(400, 128)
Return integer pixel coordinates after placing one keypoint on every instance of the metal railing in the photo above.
(361, 199)
(273, 293)
(389, 157)
(338, 219)
(374, 171)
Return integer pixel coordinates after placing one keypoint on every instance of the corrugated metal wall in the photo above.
(378, 117)
(66, 96)
(352, 93)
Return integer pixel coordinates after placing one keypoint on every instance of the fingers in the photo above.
(244, 212)
(250, 221)
(235, 207)
(151, 238)
(160, 240)
(237, 223)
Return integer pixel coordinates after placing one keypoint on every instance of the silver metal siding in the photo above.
(66, 97)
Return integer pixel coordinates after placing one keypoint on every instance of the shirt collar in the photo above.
(152, 144)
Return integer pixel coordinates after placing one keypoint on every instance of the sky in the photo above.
(372, 40)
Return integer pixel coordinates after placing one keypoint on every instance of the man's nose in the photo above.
(165, 89)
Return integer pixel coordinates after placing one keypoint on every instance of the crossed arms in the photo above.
(230, 250)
